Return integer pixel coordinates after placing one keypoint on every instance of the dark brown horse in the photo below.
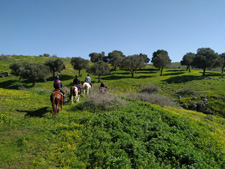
(57, 101)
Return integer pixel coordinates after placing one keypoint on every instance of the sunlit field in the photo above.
(114, 130)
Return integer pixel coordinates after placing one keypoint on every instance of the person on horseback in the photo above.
(76, 83)
(58, 85)
(103, 85)
(88, 80)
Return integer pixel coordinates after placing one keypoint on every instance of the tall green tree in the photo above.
(115, 58)
(18, 68)
(161, 59)
(222, 61)
(205, 58)
(95, 57)
(55, 66)
(188, 60)
(100, 68)
(145, 57)
(79, 63)
(133, 63)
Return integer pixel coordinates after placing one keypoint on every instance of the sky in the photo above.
(76, 28)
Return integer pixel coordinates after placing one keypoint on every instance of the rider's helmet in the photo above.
(57, 78)
(76, 76)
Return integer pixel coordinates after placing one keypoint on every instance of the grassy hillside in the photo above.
(113, 131)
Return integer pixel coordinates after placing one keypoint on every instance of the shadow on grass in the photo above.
(61, 77)
(184, 78)
(10, 84)
(36, 113)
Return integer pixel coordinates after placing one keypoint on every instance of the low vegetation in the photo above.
(148, 121)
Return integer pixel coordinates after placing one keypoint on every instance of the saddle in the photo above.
(57, 90)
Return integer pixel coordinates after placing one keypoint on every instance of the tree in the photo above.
(79, 63)
(55, 66)
(100, 68)
(188, 60)
(18, 68)
(95, 57)
(145, 57)
(205, 58)
(160, 59)
(115, 58)
(46, 55)
(222, 61)
(133, 63)
(34, 72)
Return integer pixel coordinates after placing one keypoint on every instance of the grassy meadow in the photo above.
(122, 129)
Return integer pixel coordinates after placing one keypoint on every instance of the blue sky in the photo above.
(76, 28)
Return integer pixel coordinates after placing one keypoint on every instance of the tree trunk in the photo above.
(222, 69)
(99, 78)
(34, 84)
(161, 71)
(53, 74)
(132, 74)
(203, 72)
(189, 68)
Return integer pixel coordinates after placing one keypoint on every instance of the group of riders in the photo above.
(76, 82)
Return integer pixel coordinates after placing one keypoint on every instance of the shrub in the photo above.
(152, 98)
(5, 57)
(150, 88)
(97, 101)
(186, 91)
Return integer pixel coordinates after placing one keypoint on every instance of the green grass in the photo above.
(135, 135)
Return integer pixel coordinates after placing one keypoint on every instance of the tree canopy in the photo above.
(55, 66)
(188, 60)
(95, 57)
(79, 63)
(133, 63)
(160, 59)
(222, 61)
(205, 58)
(115, 58)
(100, 68)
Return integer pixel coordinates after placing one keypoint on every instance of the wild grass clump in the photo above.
(186, 91)
(150, 89)
(152, 98)
(21, 87)
(97, 102)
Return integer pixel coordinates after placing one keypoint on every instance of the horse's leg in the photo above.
(72, 99)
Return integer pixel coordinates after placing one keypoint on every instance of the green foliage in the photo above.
(79, 63)
(160, 59)
(55, 66)
(188, 60)
(115, 58)
(133, 63)
(100, 68)
(95, 57)
(205, 58)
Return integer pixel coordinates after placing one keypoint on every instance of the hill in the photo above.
(114, 130)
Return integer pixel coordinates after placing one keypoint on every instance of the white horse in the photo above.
(87, 87)
(74, 91)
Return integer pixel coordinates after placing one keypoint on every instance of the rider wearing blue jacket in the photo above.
(88, 80)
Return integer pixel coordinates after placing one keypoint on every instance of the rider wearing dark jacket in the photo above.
(76, 82)
(58, 85)
(103, 85)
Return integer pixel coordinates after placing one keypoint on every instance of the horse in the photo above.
(102, 90)
(87, 87)
(74, 91)
(57, 101)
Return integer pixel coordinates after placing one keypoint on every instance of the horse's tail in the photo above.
(53, 104)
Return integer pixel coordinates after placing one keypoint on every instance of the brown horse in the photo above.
(74, 91)
(102, 90)
(57, 101)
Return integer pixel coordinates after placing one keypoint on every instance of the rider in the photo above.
(103, 85)
(58, 85)
(76, 83)
(88, 80)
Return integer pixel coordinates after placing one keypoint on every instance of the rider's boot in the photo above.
(64, 98)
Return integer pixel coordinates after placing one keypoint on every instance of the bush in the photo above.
(150, 89)
(97, 101)
(5, 57)
(152, 98)
(186, 91)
